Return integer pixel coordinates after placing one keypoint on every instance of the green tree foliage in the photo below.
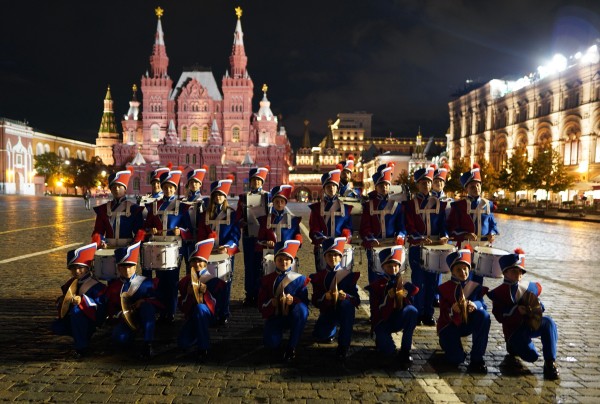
(453, 181)
(548, 172)
(48, 165)
(513, 177)
(489, 177)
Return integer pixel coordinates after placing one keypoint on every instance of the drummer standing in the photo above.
(425, 225)
(382, 220)
(336, 296)
(198, 302)
(329, 217)
(251, 206)
(219, 221)
(118, 222)
(196, 203)
(283, 300)
(169, 217)
(346, 186)
(87, 306)
(139, 293)
(511, 311)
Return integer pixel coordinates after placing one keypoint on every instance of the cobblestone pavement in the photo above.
(35, 366)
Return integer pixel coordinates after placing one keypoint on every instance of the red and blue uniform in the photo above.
(120, 220)
(517, 334)
(387, 319)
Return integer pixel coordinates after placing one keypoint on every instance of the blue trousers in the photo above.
(326, 325)
(295, 321)
(426, 281)
(405, 320)
(123, 335)
(252, 267)
(370, 269)
(195, 329)
(167, 288)
(520, 342)
(77, 325)
(478, 325)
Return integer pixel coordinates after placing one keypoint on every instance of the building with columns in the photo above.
(558, 107)
(194, 123)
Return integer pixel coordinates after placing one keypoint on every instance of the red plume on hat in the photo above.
(230, 177)
(169, 165)
(350, 157)
(390, 164)
(476, 165)
(435, 167)
(268, 167)
(205, 167)
(339, 167)
(131, 170)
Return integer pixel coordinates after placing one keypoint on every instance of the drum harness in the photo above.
(222, 218)
(249, 211)
(381, 213)
(117, 213)
(164, 213)
(290, 277)
(475, 214)
(337, 209)
(285, 223)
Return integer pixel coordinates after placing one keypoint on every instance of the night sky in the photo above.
(399, 60)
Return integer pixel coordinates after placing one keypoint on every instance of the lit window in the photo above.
(194, 134)
(205, 134)
(236, 134)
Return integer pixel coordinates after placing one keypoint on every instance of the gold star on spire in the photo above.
(159, 12)
(238, 12)
(265, 88)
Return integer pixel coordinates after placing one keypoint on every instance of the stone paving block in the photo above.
(299, 394)
(334, 394)
(150, 390)
(62, 387)
(92, 397)
(178, 390)
(151, 398)
(65, 397)
(12, 395)
(225, 400)
(124, 398)
(205, 392)
(97, 388)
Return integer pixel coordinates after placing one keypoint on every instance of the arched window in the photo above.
(235, 134)
(184, 136)
(212, 173)
(130, 136)
(67, 152)
(79, 154)
(39, 149)
(61, 152)
(193, 159)
(84, 155)
(572, 151)
(205, 134)
(155, 132)
(194, 134)
(46, 148)
(136, 184)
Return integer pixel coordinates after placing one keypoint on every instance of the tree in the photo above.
(85, 174)
(453, 182)
(548, 172)
(48, 165)
(489, 177)
(513, 177)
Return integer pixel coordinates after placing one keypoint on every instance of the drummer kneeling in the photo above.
(199, 293)
(132, 302)
(81, 307)
(517, 307)
(283, 300)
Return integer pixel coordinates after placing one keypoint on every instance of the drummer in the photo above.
(391, 307)
(219, 221)
(440, 177)
(382, 221)
(280, 224)
(118, 222)
(463, 312)
(511, 311)
(251, 206)
(139, 293)
(199, 311)
(196, 203)
(169, 217)
(156, 192)
(346, 187)
(336, 296)
(425, 225)
(329, 217)
(86, 311)
(283, 300)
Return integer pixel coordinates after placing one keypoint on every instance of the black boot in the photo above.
(404, 358)
(147, 351)
(477, 367)
(341, 353)
(551, 371)
(289, 355)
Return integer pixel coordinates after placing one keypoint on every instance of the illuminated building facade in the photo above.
(194, 123)
(20, 143)
(558, 107)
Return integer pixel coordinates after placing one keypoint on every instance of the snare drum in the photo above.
(268, 264)
(219, 266)
(347, 258)
(104, 265)
(434, 257)
(486, 261)
(160, 255)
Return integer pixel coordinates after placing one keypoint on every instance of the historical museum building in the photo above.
(194, 123)
(558, 107)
